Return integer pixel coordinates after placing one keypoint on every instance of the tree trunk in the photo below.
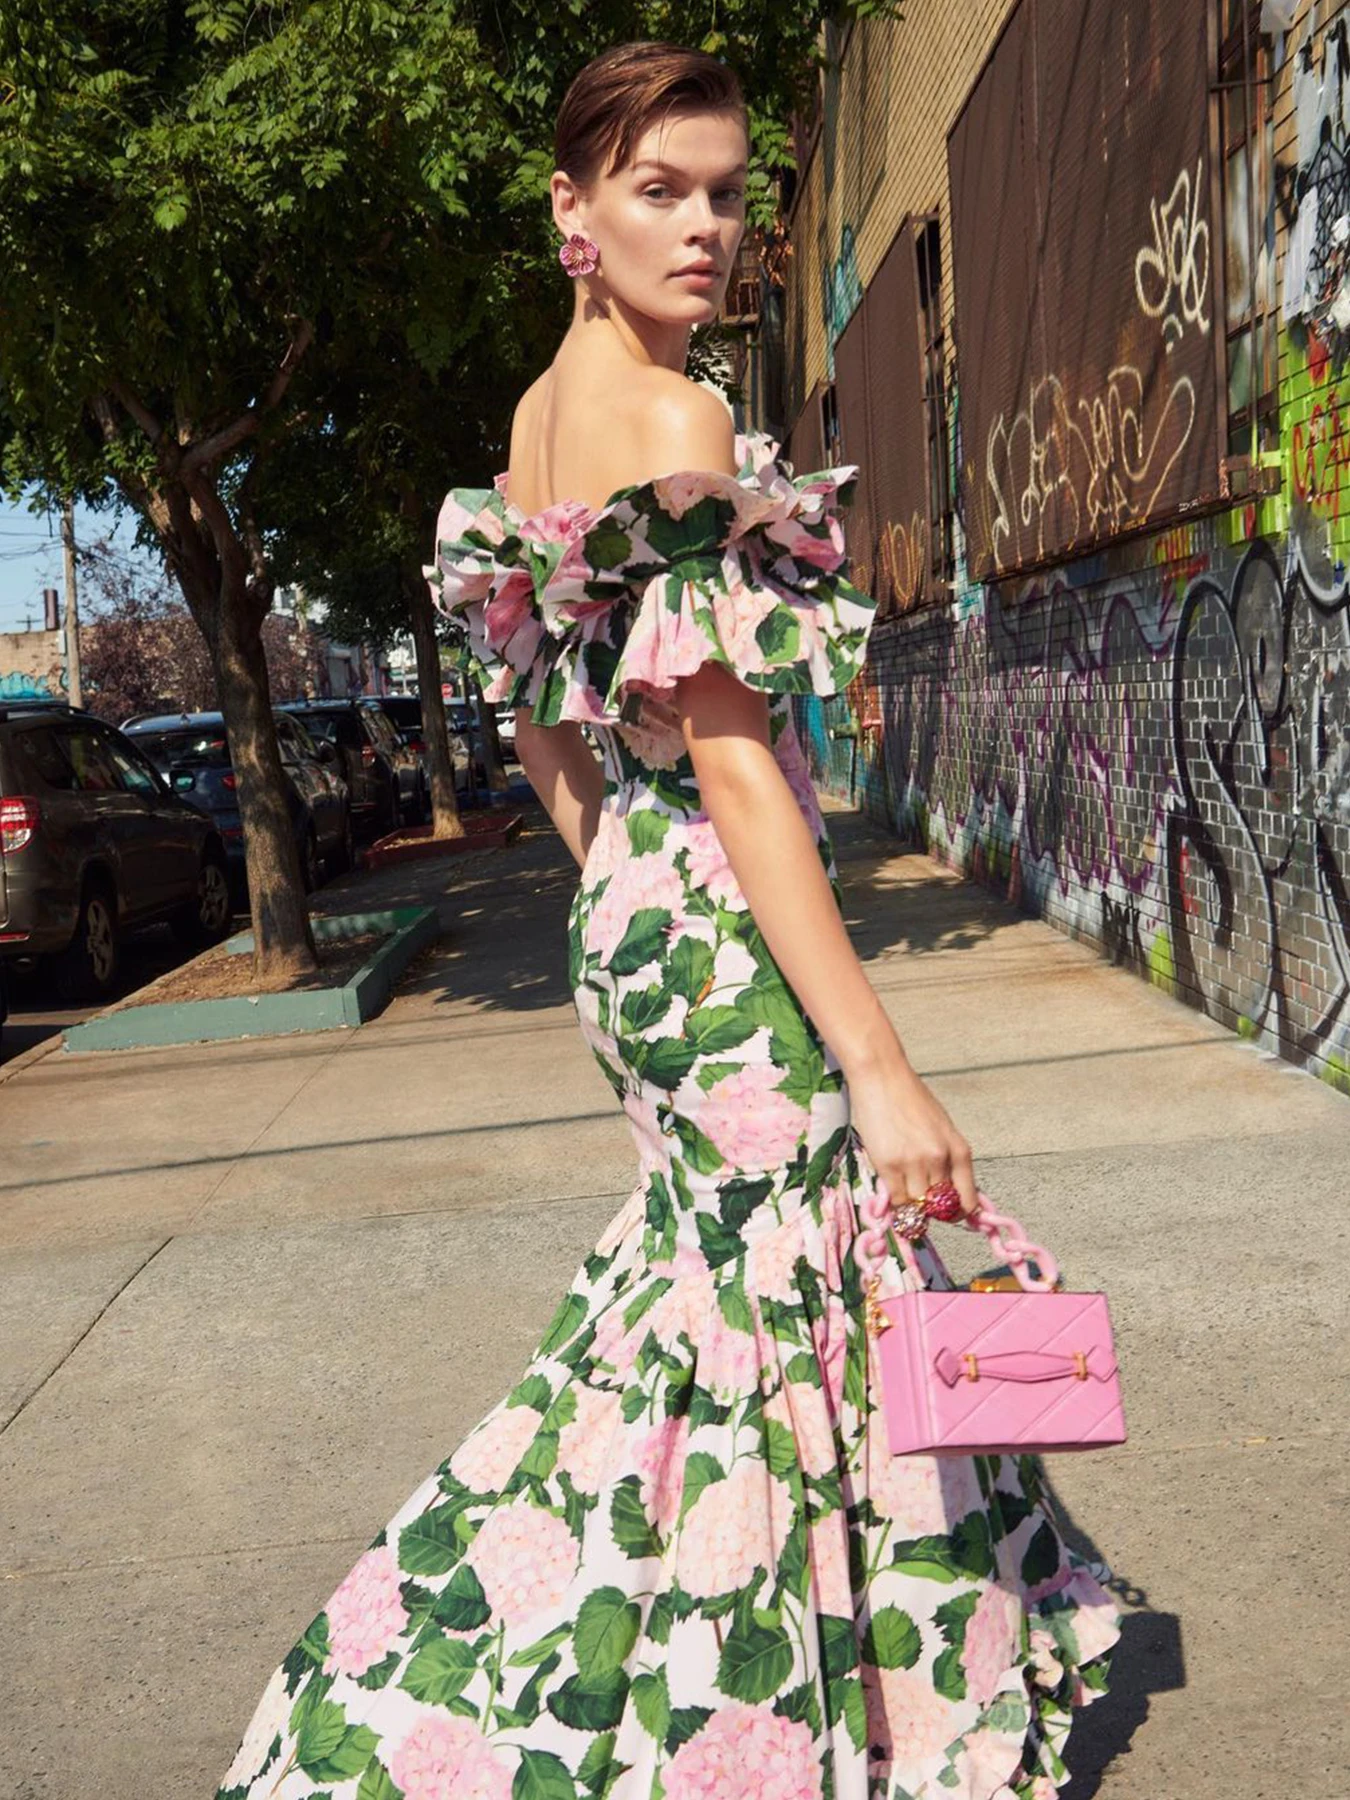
(283, 944)
(492, 749)
(445, 819)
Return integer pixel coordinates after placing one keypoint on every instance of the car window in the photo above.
(43, 753)
(308, 748)
(288, 740)
(95, 770)
(204, 749)
(338, 728)
(385, 735)
(134, 773)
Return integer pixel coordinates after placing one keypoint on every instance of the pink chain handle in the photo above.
(1006, 1236)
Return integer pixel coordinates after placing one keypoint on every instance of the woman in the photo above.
(678, 1559)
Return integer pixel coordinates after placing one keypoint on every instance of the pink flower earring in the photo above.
(579, 256)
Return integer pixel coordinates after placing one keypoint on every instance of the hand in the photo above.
(908, 1135)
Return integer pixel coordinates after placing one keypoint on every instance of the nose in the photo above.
(702, 219)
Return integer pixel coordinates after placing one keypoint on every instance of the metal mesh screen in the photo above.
(898, 464)
(1085, 294)
(805, 448)
(851, 393)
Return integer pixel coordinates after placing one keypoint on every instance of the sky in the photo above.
(30, 558)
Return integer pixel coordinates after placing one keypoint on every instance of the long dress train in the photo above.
(678, 1560)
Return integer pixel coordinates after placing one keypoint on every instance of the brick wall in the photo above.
(1149, 747)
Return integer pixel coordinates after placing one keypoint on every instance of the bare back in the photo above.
(591, 425)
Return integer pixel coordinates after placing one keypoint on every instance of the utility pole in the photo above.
(74, 684)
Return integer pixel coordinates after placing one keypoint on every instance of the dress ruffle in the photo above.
(575, 610)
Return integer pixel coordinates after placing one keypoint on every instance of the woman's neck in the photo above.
(602, 323)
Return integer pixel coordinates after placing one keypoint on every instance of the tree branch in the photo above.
(138, 410)
(229, 437)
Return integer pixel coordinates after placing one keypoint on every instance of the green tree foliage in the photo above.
(225, 224)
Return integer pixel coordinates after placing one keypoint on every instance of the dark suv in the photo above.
(386, 779)
(191, 752)
(92, 843)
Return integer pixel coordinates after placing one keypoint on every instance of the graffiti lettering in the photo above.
(1171, 275)
(1059, 473)
(902, 558)
(1320, 453)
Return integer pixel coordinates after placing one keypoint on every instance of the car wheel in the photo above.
(207, 916)
(87, 969)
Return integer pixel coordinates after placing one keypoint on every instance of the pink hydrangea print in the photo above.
(753, 1125)
(663, 645)
(525, 1558)
(907, 1490)
(906, 1718)
(616, 1344)
(585, 1443)
(366, 1615)
(828, 1537)
(1043, 1789)
(486, 1460)
(729, 1359)
(993, 1637)
(746, 1753)
(675, 494)
(652, 1149)
(445, 1757)
(1047, 1668)
(660, 1469)
(1096, 1622)
(772, 1271)
(829, 1334)
(803, 1408)
(984, 1765)
(709, 869)
(734, 1527)
(638, 882)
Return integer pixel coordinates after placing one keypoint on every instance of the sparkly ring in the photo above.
(942, 1201)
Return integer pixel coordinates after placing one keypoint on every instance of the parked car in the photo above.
(192, 753)
(93, 843)
(406, 712)
(386, 780)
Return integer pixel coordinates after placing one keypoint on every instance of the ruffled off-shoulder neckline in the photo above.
(575, 609)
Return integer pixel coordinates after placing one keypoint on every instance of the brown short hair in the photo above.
(617, 96)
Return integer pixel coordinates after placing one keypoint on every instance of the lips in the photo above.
(697, 269)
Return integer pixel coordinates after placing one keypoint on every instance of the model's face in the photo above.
(668, 224)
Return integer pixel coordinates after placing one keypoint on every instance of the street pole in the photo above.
(74, 683)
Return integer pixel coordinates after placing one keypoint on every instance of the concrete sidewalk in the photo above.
(251, 1293)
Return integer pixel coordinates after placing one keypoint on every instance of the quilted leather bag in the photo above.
(982, 1372)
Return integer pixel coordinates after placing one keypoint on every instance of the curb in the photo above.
(26, 1058)
(414, 843)
(156, 1024)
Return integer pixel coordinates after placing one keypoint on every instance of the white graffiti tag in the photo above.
(1061, 473)
(1171, 275)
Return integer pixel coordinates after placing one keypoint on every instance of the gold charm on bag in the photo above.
(874, 1318)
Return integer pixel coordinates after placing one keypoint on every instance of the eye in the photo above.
(731, 195)
(657, 191)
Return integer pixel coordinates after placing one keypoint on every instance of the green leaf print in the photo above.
(651, 1703)
(590, 1702)
(542, 1776)
(801, 1705)
(701, 1468)
(1041, 1558)
(540, 1458)
(715, 1028)
(534, 1391)
(665, 1061)
(661, 1618)
(689, 966)
(684, 1722)
(608, 545)
(738, 1198)
(930, 1558)
(735, 1307)
(647, 830)
(949, 1678)
(643, 942)
(838, 1643)
(378, 1784)
(855, 1713)
(328, 1749)
(595, 1764)
(530, 1698)
(440, 1670)
(628, 1520)
(892, 1640)
(607, 1628)
(428, 1544)
(536, 1652)
(755, 1662)
(780, 1448)
(643, 1008)
(380, 1674)
(461, 1604)
(952, 1617)
(567, 1321)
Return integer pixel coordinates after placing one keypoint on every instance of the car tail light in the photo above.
(417, 744)
(19, 819)
(368, 755)
(229, 780)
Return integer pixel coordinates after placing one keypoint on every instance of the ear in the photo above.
(569, 204)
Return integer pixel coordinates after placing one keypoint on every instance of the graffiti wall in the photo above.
(1150, 746)
(32, 665)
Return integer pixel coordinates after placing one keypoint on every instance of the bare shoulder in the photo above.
(685, 426)
(525, 417)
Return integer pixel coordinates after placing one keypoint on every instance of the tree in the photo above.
(212, 212)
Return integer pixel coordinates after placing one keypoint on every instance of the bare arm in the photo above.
(907, 1134)
(566, 776)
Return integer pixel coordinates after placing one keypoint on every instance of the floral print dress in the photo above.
(678, 1562)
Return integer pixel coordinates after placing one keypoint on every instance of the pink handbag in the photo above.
(983, 1372)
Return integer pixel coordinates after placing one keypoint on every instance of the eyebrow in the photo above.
(665, 168)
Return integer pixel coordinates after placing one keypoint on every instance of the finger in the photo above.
(963, 1177)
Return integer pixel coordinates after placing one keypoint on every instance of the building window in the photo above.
(830, 433)
(928, 251)
(1247, 114)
